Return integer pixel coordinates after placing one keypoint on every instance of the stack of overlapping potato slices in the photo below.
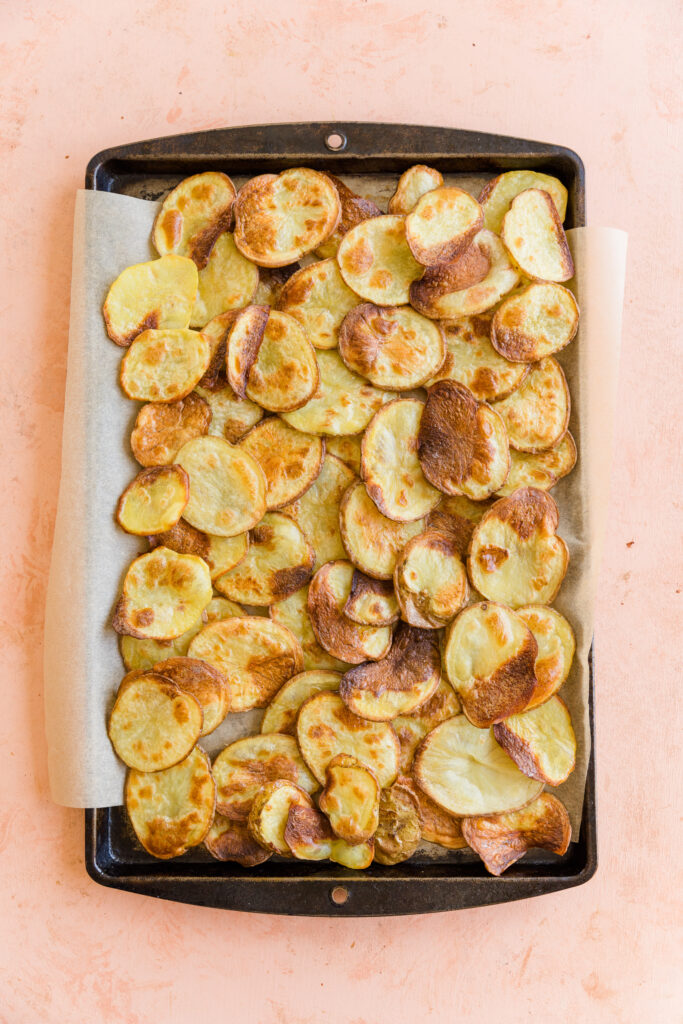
(350, 423)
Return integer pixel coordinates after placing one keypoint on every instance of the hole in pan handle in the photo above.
(335, 141)
(339, 895)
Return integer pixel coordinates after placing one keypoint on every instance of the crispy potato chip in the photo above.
(243, 341)
(271, 282)
(376, 262)
(533, 235)
(412, 185)
(206, 684)
(216, 333)
(398, 684)
(437, 826)
(515, 556)
(318, 299)
(141, 655)
(430, 580)
(354, 209)
(497, 194)
(536, 415)
(541, 741)
(231, 840)
(327, 595)
(164, 365)
(227, 487)
(254, 654)
(161, 429)
(325, 727)
(154, 500)
(220, 608)
(399, 832)
(269, 813)
(372, 541)
(228, 281)
(347, 449)
(390, 466)
(316, 512)
(164, 594)
(245, 766)
(172, 810)
(556, 647)
(501, 839)
(153, 724)
(542, 469)
(194, 215)
(465, 771)
(393, 346)
(472, 360)
(489, 661)
(290, 460)
(278, 562)
(219, 553)
(292, 613)
(280, 217)
(350, 799)
(158, 294)
(309, 837)
(371, 602)
(442, 224)
(411, 729)
(280, 715)
(535, 323)
(456, 516)
(231, 416)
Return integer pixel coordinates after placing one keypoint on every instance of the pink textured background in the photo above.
(597, 76)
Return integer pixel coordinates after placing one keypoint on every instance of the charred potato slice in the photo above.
(442, 224)
(411, 729)
(541, 742)
(231, 416)
(430, 580)
(472, 360)
(556, 647)
(206, 684)
(393, 346)
(316, 512)
(542, 469)
(141, 655)
(231, 840)
(271, 360)
(533, 235)
(456, 516)
(399, 832)
(164, 594)
(536, 415)
(154, 500)
(278, 562)
(227, 487)
(219, 553)
(347, 449)
(290, 460)
(153, 724)
(372, 541)
(318, 299)
(501, 839)
(228, 281)
(158, 294)
(371, 602)
(436, 825)
(161, 429)
(292, 613)
(193, 215)
(350, 799)
(280, 715)
(376, 262)
(497, 194)
(164, 365)
(270, 811)
(535, 323)
(327, 596)
(354, 209)
(412, 185)
(245, 766)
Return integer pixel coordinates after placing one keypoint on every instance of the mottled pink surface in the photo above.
(78, 76)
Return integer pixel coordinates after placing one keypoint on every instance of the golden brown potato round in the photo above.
(142, 654)
(347, 449)
(497, 194)
(290, 460)
(533, 235)
(376, 262)
(278, 562)
(430, 580)
(393, 346)
(456, 516)
(556, 647)
(231, 840)
(271, 360)
(206, 684)
(472, 360)
(164, 594)
(316, 512)
(193, 215)
(270, 811)
(371, 602)
(437, 826)
(158, 294)
(216, 333)
(231, 416)
(161, 429)
(411, 729)
(292, 613)
(327, 595)
(318, 299)
(354, 209)
(154, 501)
(399, 832)
(501, 839)
(535, 323)
(536, 415)
(442, 224)
(227, 281)
(372, 541)
(271, 282)
(280, 715)
(227, 487)
(219, 553)
(350, 799)
(542, 469)
(164, 365)
(309, 837)
(541, 741)
(412, 185)
(153, 724)
(220, 608)
(243, 767)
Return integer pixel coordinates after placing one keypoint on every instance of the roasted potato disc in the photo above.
(172, 810)
(164, 593)
(271, 360)
(292, 613)
(228, 281)
(280, 715)
(220, 608)
(153, 724)
(489, 661)
(453, 290)
(227, 487)
(533, 235)
(194, 215)
(442, 224)
(164, 365)
(318, 299)
(390, 465)
(309, 837)
(371, 602)
(206, 684)
(411, 729)
(354, 209)
(535, 323)
(231, 840)
(317, 511)
(457, 516)
(347, 449)
(325, 727)
(269, 813)
(154, 500)
(157, 294)
(515, 556)
(245, 766)
(281, 217)
(216, 333)
(372, 541)
(271, 282)
(536, 415)
(430, 580)
(161, 429)
(393, 346)
(350, 799)
(142, 655)
(465, 771)
(278, 562)
(556, 647)
(290, 460)
(472, 360)
(436, 825)
(231, 416)
(541, 742)
(376, 262)
(501, 839)
(254, 654)
(543, 469)
(219, 553)
(412, 185)
(399, 832)
(398, 684)
(497, 194)
(344, 639)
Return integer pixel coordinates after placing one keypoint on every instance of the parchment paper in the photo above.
(90, 555)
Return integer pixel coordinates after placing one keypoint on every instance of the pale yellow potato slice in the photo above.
(327, 596)
(497, 194)
(231, 416)
(372, 542)
(164, 365)
(206, 684)
(456, 516)
(536, 415)
(280, 715)
(140, 655)
(271, 360)
(219, 553)
(376, 262)
(193, 215)
(164, 594)
(533, 235)
(472, 360)
(153, 724)
(231, 840)
(436, 825)
(278, 562)
(430, 580)
(501, 839)
(269, 813)
(318, 299)
(371, 602)
(309, 837)
(347, 449)
(393, 346)
(541, 741)
(290, 460)
(411, 729)
(412, 185)
(228, 281)
(161, 429)
(442, 224)
(292, 613)
(535, 323)
(316, 512)
(399, 831)
(354, 209)
(227, 487)
(243, 767)
(154, 501)
(157, 294)
(220, 608)
(540, 469)
(556, 648)
(350, 799)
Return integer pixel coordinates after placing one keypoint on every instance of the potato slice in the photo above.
(535, 323)
(255, 655)
(228, 281)
(327, 595)
(309, 837)
(278, 562)
(157, 294)
(472, 360)
(411, 729)
(193, 216)
(436, 825)
(220, 608)
(350, 799)
(290, 460)
(219, 553)
(536, 415)
(456, 516)
(372, 541)
(556, 647)
(489, 661)
(515, 556)
(154, 500)
(271, 283)
(153, 724)
(541, 741)
(318, 299)
(343, 404)
(325, 727)
(280, 715)
(231, 416)
(231, 840)
(376, 262)
(164, 365)
(269, 813)
(541, 470)
(271, 360)
(399, 832)
(227, 487)
(371, 602)
(465, 771)
(292, 613)
(398, 684)
(430, 580)
(452, 291)
(172, 810)
(393, 346)
(161, 429)
(412, 185)
(245, 766)
(390, 465)
(501, 839)
(206, 684)
(497, 194)
(316, 512)
(442, 225)
(533, 235)
(164, 594)
(141, 655)
(354, 209)
(216, 333)
(280, 217)
(347, 449)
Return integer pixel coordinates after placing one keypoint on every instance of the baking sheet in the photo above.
(90, 555)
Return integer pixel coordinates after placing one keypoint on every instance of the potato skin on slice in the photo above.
(280, 715)
(219, 553)
(292, 613)
(556, 647)
(193, 215)
(372, 541)
(442, 224)
(393, 346)
(291, 461)
(436, 825)
(533, 235)
(270, 811)
(227, 487)
(457, 516)
(153, 724)
(327, 596)
(278, 562)
(284, 374)
(206, 684)
(309, 837)
(501, 839)
(398, 832)
(430, 580)
(231, 416)
(158, 294)
(231, 840)
(371, 602)
(535, 323)
(472, 360)
(350, 799)
(216, 333)
(164, 594)
(354, 209)
(541, 741)
(497, 194)
(536, 415)
(162, 428)
(154, 501)
(376, 262)
(245, 766)
(412, 185)
(164, 365)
